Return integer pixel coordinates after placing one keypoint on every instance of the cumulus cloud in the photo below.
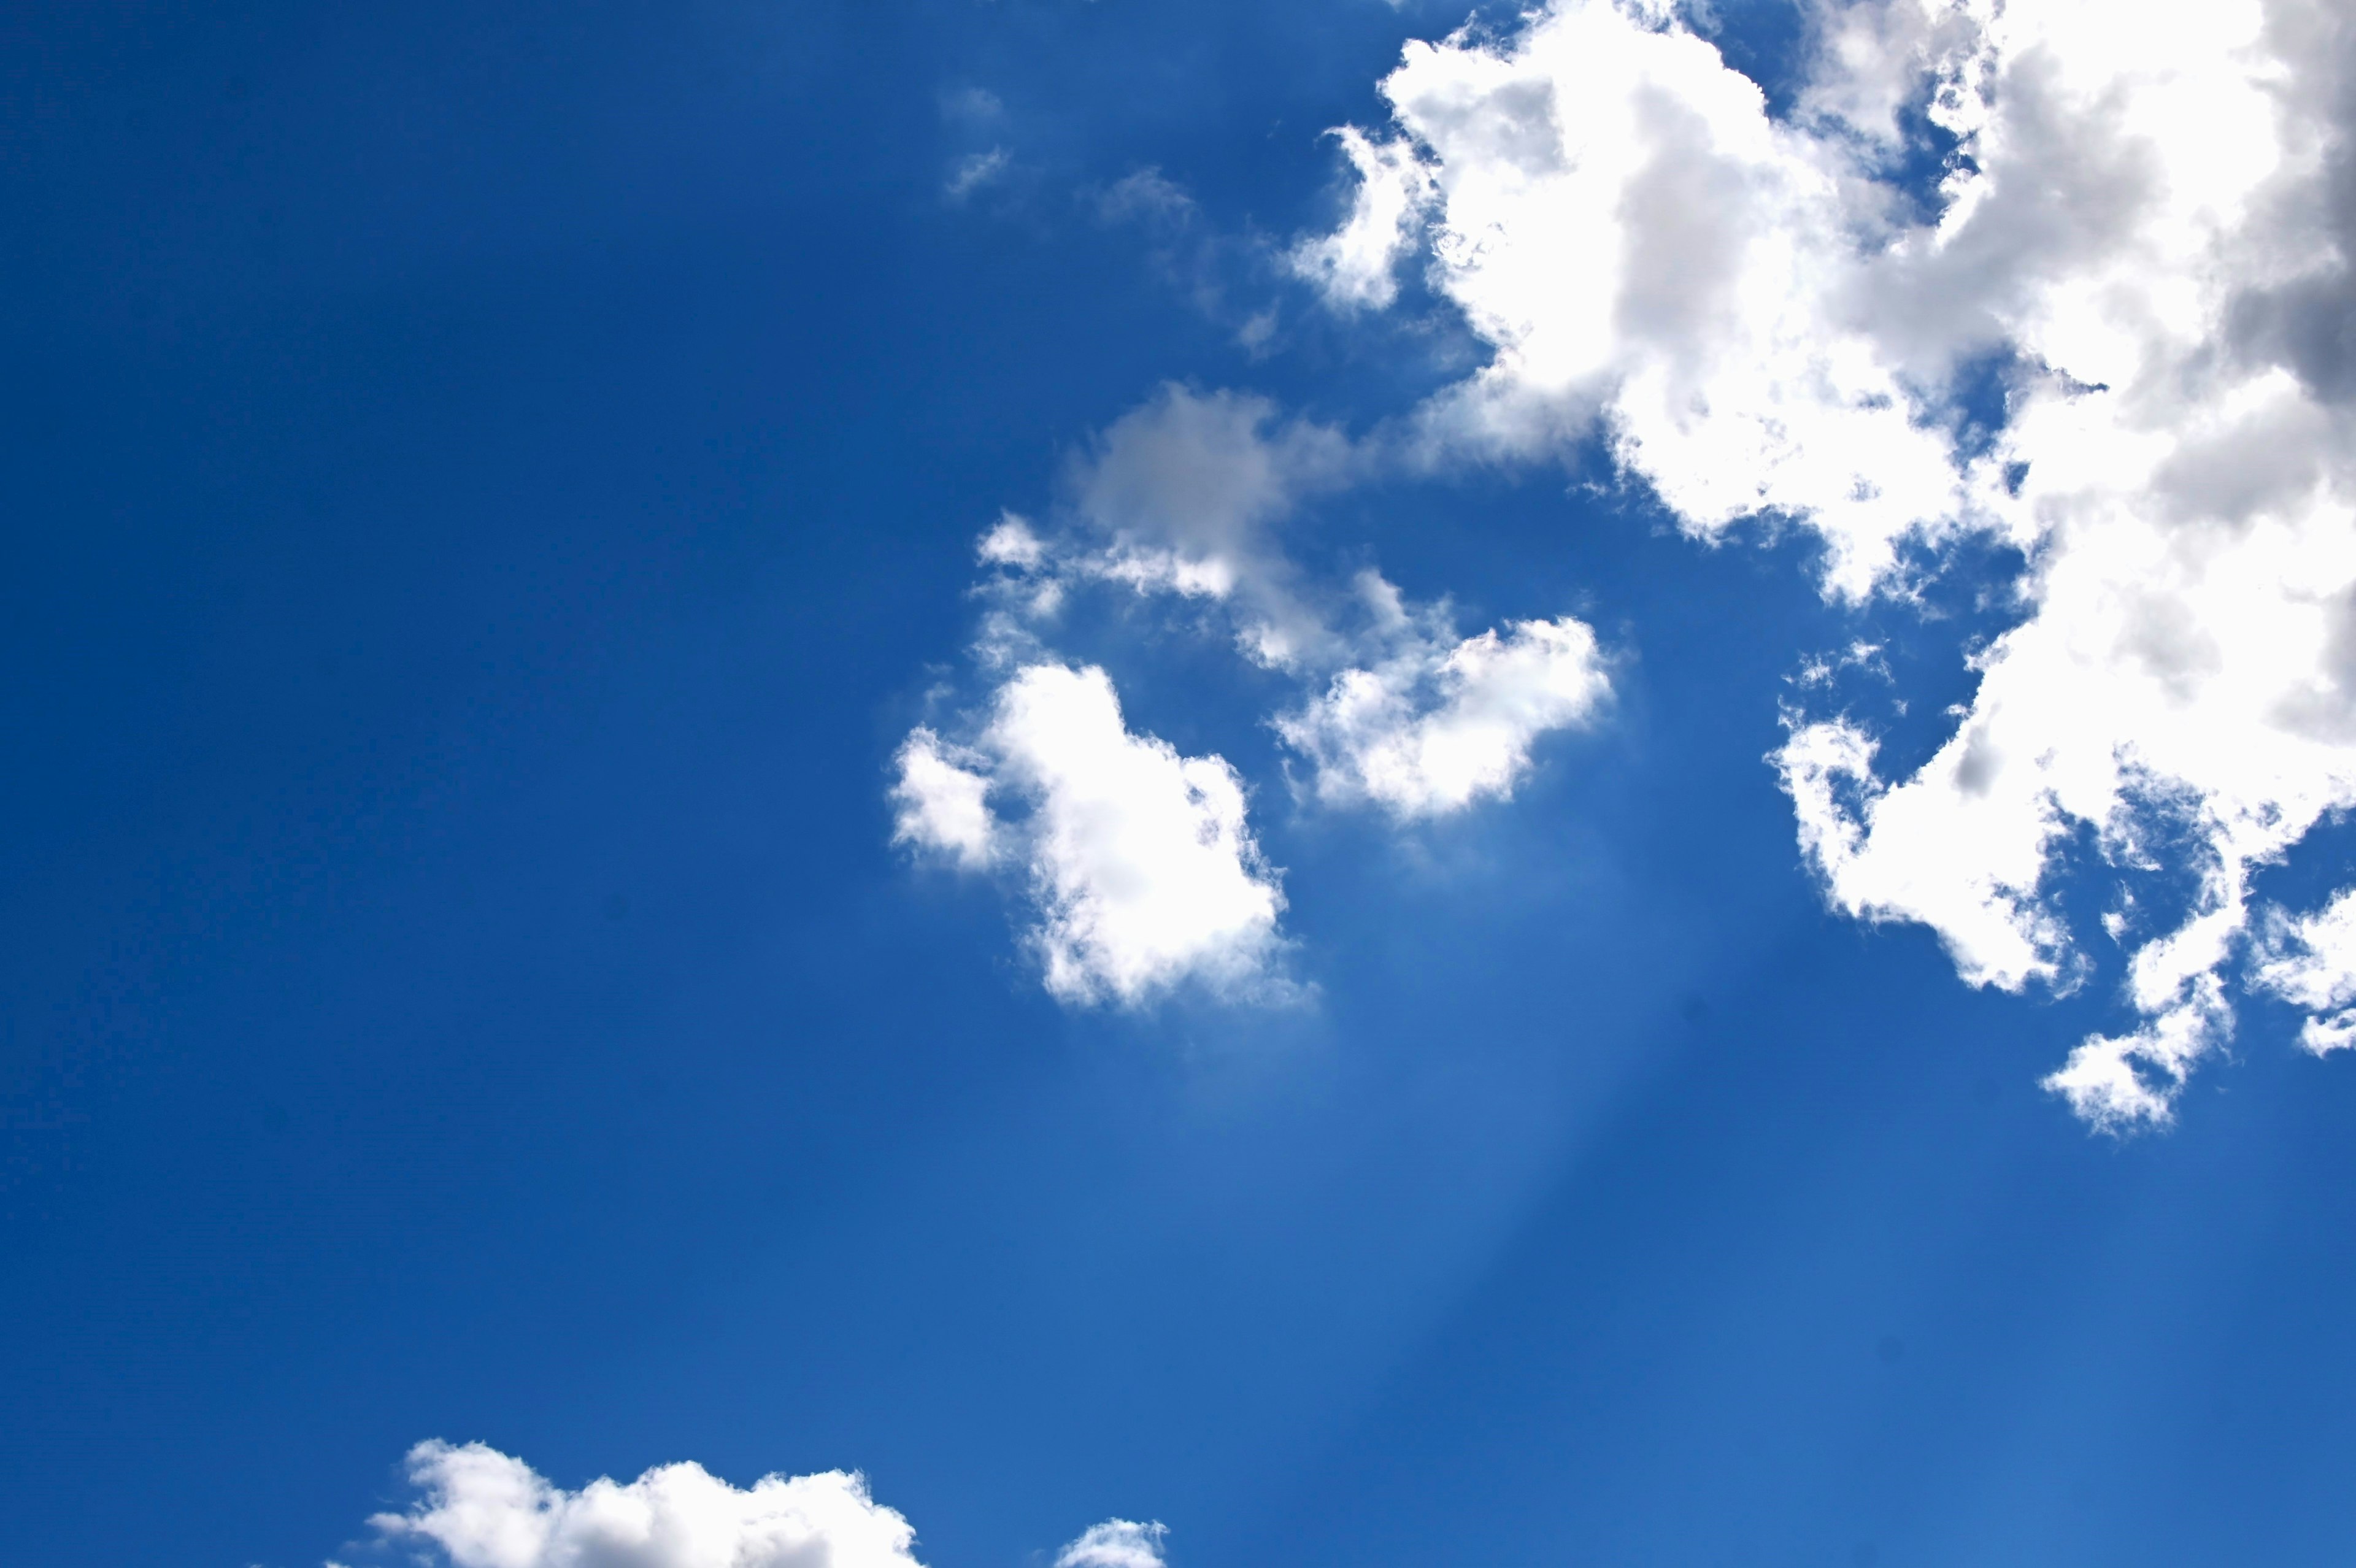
(2152, 225)
(483, 1509)
(1115, 1543)
(1183, 491)
(2310, 962)
(974, 171)
(1144, 869)
(1140, 861)
(1614, 211)
(1439, 724)
(943, 802)
(1357, 265)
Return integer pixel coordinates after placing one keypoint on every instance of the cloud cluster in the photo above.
(1115, 1543)
(2310, 962)
(1140, 862)
(2151, 226)
(483, 1509)
(1614, 211)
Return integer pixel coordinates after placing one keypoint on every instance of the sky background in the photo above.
(487, 490)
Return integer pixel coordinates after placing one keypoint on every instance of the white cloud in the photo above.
(1357, 265)
(2311, 964)
(1144, 869)
(1115, 1543)
(2154, 218)
(1146, 196)
(1439, 724)
(1184, 488)
(485, 1510)
(974, 171)
(942, 802)
(1613, 210)
(1140, 861)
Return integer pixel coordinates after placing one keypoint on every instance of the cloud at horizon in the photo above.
(482, 1509)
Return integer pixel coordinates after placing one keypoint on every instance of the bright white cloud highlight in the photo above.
(2152, 219)
(1613, 210)
(1140, 861)
(1436, 726)
(1357, 265)
(943, 803)
(2311, 964)
(482, 1509)
(1115, 1543)
(1144, 869)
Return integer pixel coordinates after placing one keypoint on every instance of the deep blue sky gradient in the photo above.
(486, 488)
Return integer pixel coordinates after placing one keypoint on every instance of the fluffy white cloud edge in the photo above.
(1140, 862)
(2310, 962)
(2141, 220)
(942, 800)
(1434, 728)
(484, 1509)
(1115, 1543)
(1144, 869)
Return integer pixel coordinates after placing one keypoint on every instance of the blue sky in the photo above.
(1633, 845)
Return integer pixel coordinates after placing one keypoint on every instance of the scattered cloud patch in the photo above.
(1185, 491)
(1115, 1543)
(975, 170)
(1141, 860)
(1147, 195)
(483, 1509)
(2152, 223)
(942, 802)
(2310, 962)
(1357, 266)
(1438, 725)
(1613, 210)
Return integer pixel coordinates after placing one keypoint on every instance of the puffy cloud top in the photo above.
(1115, 1543)
(483, 1509)
(1145, 872)
(2151, 224)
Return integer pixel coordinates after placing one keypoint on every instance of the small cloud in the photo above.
(1147, 196)
(1435, 727)
(974, 171)
(1144, 869)
(1115, 1543)
(2310, 962)
(483, 1509)
(942, 796)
